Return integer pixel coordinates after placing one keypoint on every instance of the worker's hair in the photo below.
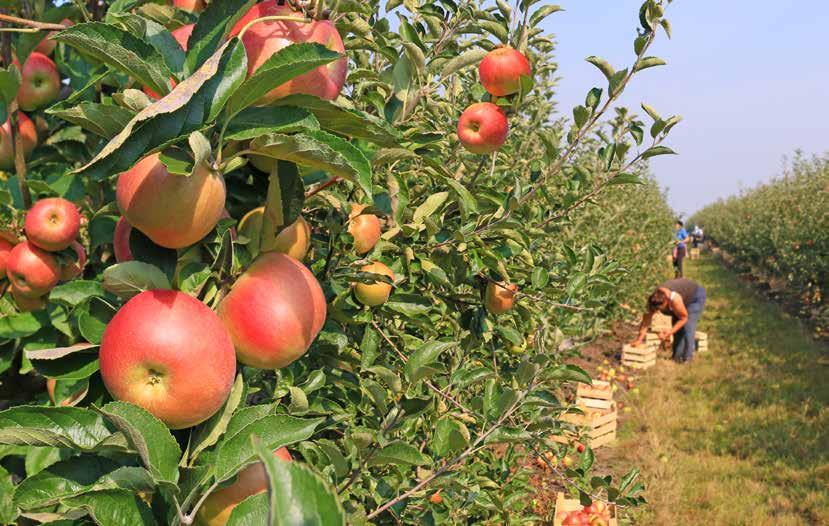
(680, 223)
(656, 300)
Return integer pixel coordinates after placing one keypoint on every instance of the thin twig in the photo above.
(32, 23)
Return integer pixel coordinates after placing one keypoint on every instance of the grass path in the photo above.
(741, 435)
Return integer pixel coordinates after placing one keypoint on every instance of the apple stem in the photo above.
(323, 186)
(273, 18)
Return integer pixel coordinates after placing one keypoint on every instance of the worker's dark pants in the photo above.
(684, 340)
(679, 260)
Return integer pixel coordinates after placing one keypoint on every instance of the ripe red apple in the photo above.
(365, 228)
(501, 71)
(5, 251)
(576, 518)
(483, 128)
(28, 133)
(580, 447)
(174, 211)
(25, 304)
(168, 353)
(121, 241)
(47, 46)
(53, 223)
(40, 84)
(263, 39)
(436, 498)
(250, 481)
(499, 297)
(378, 292)
(194, 6)
(273, 312)
(73, 269)
(294, 240)
(31, 270)
(182, 36)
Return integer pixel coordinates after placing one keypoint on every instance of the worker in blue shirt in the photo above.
(681, 249)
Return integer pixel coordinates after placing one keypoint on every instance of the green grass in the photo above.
(741, 435)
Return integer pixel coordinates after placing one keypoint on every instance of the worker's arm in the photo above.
(681, 315)
(643, 328)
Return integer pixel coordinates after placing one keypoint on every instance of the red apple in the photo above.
(40, 84)
(273, 312)
(28, 133)
(576, 518)
(263, 39)
(194, 6)
(365, 228)
(483, 128)
(250, 481)
(74, 269)
(53, 223)
(499, 297)
(25, 304)
(5, 251)
(174, 211)
(293, 240)
(580, 447)
(501, 71)
(121, 240)
(168, 353)
(31, 270)
(375, 293)
(46, 46)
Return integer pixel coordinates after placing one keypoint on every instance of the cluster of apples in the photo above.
(483, 126)
(597, 514)
(616, 377)
(39, 87)
(33, 266)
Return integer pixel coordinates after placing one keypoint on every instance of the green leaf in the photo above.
(127, 279)
(463, 60)
(70, 427)
(282, 66)
(296, 495)
(657, 150)
(148, 435)
(76, 362)
(75, 292)
(349, 122)
(155, 35)
(212, 28)
(236, 450)
(543, 13)
(625, 178)
(418, 365)
(603, 65)
(569, 373)
(429, 207)
(22, 325)
(540, 277)
(649, 62)
(193, 103)
(209, 433)
(8, 511)
(321, 151)
(115, 507)
(253, 511)
(119, 50)
(261, 120)
(78, 475)
(400, 454)
(450, 436)
(9, 84)
(283, 206)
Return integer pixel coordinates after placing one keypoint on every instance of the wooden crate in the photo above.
(565, 506)
(596, 396)
(641, 357)
(694, 253)
(661, 322)
(652, 340)
(599, 425)
(701, 341)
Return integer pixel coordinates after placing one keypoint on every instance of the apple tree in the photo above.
(307, 262)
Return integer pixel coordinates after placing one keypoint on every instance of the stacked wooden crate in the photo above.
(639, 357)
(694, 253)
(661, 322)
(701, 341)
(598, 418)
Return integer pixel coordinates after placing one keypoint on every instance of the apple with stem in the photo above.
(40, 82)
(483, 128)
(32, 271)
(501, 71)
(364, 228)
(53, 223)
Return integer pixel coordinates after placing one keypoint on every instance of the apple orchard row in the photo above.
(276, 309)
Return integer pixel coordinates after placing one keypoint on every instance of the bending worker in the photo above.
(683, 299)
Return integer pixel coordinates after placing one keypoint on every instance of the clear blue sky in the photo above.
(749, 77)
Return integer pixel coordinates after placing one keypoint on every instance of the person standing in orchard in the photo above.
(684, 300)
(681, 248)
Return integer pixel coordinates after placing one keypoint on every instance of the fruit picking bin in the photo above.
(600, 426)
(565, 505)
(597, 396)
(641, 357)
